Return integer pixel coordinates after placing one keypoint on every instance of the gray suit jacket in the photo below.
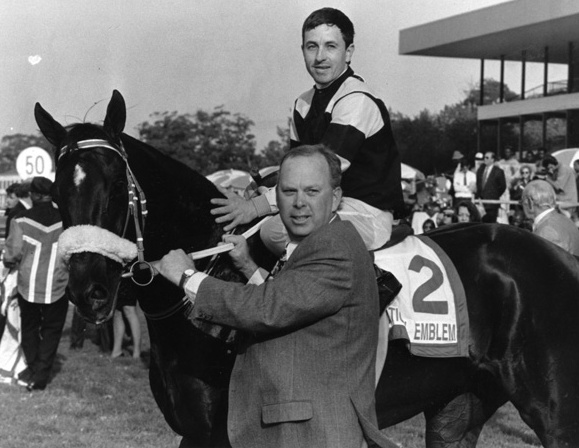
(560, 230)
(308, 380)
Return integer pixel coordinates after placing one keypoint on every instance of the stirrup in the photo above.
(388, 287)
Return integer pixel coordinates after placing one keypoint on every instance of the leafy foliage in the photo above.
(275, 149)
(205, 141)
(428, 140)
(12, 145)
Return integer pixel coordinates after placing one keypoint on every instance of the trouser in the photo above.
(373, 225)
(41, 326)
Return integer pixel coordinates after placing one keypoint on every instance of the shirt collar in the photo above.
(541, 216)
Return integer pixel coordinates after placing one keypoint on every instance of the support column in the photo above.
(521, 135)
(544, 131)
(499, 137)
(570, 69)
(478, 136)
(523, 72)
(502, 84)
(546, 72)
(482, 83)
(568, 122)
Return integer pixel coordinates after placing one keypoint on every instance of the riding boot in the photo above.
(388, 287)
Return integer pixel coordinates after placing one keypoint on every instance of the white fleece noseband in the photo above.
(87, 238)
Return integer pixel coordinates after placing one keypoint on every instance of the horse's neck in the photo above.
(177, 203)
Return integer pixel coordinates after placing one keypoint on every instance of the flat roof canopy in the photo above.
(506, 29)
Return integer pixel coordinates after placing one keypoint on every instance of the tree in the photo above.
(491, 92)
(12, 145)
(428, 140)
(418, 139)
(205, 141)
(275, 149)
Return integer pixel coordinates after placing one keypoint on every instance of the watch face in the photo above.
(189, 272)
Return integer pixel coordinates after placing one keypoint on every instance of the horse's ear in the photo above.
(50, 128)
(116, 115)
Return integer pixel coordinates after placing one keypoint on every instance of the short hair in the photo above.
(549, 160)
(23, 190)
(311, 150)
(472, 210)
(12, 188)
(330, 16)
(540, 193)
(492, 154)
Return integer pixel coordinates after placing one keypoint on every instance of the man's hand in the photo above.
(234, 208)
(172, 265)
(240, 255)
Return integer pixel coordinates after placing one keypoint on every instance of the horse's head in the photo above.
(91, 191)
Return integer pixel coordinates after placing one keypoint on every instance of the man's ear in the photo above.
(349, 53)
(337, 197)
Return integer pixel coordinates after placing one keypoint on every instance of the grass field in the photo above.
(97, 402)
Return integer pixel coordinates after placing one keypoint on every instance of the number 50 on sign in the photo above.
(34, 161)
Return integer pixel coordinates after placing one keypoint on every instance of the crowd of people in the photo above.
(491, 190)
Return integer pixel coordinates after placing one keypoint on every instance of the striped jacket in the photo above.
(348, 119)
(32, 245)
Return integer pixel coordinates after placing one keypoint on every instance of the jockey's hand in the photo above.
(240, 255)
(233, 208)
(172, 265)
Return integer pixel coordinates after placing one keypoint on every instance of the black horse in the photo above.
(522, 294)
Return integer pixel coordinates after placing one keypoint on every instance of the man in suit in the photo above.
(539, 204)
(308, 378)
(490, 184)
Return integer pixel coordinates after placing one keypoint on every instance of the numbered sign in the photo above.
(34, 161)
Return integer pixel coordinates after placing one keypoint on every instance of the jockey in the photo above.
(341, 113)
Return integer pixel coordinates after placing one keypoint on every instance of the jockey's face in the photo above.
(325, 54)
(305, 197)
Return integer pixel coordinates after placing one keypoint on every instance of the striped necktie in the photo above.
(278, 266)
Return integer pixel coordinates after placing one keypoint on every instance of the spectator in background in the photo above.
(532, 156)
(17, 200)
(42, 279)
(466, 211)
(539, 204)
(491, 184)
(464, 180)
(127, 306)
(510, 165)
(446, 217)
(562, 179)
(541, 153)
(519, 183)
(520, 220)
(428, 225)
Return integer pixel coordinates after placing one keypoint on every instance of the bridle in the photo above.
(137, 207)
(141, 271)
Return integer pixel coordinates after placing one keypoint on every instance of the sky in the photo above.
(185, 55)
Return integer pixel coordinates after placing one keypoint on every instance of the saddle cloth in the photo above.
(430, 311)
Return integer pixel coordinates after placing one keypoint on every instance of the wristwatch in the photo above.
(186, 276)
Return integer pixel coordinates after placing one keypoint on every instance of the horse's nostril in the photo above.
(98, 293)
(98, 297)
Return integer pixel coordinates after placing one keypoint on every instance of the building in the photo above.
(519, 31)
